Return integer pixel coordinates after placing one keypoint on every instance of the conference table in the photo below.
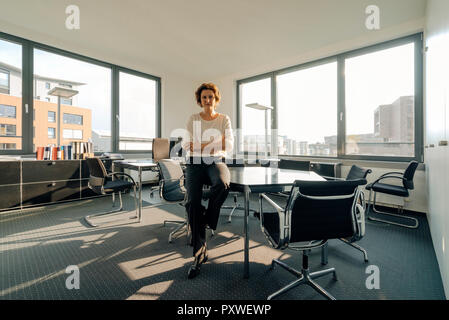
(249, 180)
(139, 166)
(246, 180)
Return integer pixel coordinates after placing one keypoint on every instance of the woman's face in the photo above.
(208, 99)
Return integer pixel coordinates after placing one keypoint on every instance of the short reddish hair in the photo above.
(207, 86)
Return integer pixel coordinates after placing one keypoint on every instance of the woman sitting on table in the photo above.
(208, 140)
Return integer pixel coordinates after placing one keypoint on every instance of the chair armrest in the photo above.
(333, 178)
(391, 173)
(272, 203)
(122, 174)
(181, 181)
(281, 214)
(388, 177)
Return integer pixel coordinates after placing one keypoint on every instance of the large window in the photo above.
(84, 92)
(380, 94)
(307, 111)
(256, 115)
(138, 101)
(85, 99)
(365, 104)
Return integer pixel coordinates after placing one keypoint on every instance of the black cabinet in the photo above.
(36, 171)
(25, 183)
(9, 172)
(48, 192)
(326, 169)
(10, 196)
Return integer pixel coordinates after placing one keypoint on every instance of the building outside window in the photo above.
(72, 134)
(72, 119)
(8, 146)
(4, 81)
(51, 116)
(51, 133)
(7, 111)
(67, 102)
(7, 130)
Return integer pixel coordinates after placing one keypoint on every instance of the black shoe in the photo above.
(195, 268)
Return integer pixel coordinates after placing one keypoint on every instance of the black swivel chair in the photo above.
(172, 191)
(315, 212)
(356, 173)
(395, 190)
(100, 183)
(294, 164)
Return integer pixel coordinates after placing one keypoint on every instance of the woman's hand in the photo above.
(216, 145)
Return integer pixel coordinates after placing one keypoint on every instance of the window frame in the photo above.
(28, 47)
(117, 105)
(417, 39)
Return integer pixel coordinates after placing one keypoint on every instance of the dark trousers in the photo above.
(217, 176)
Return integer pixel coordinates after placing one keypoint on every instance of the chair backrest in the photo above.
(171, 177)
(357, 172)
(321, 210)
(235, 162)
(97, 174)
(294, 164)
(409, 173)
(161, 149)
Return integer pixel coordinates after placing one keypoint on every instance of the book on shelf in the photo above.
(40, 153)
(75, 151)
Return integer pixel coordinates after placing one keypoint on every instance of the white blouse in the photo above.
(203, 131)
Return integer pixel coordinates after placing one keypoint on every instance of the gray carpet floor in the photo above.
(135, 261)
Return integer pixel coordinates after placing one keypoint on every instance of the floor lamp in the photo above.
(266, 109)
(60, 93)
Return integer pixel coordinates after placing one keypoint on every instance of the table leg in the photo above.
(140, 194)
(245, 227)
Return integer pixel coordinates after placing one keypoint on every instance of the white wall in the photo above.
(437, 129)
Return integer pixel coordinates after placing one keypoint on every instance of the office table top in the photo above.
(262, 179)
(143, 164)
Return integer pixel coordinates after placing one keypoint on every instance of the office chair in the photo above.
(160, 150)
(172, 191)
(356, 173)
(101, 185)
(315, 212)
(301, 165)
(401, 191)
(294, 164)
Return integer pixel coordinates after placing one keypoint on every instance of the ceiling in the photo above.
(200, 39)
